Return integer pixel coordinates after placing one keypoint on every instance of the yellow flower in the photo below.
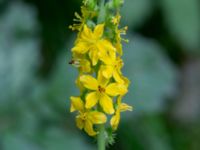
(101, 91)
(92, 42)
(116, 19)
(113, 69)
(121, 107)
(86, 119)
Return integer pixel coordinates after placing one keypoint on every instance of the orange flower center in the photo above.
(101, 89)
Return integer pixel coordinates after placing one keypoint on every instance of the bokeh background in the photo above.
(162, 61)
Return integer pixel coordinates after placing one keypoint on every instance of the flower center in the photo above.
(84, 116)
(101, 89)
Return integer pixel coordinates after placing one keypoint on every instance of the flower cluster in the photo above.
(97, 54)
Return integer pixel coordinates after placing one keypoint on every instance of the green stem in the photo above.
(101, 138)
(101, 17)
(101, 141)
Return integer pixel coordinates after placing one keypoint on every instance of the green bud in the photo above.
(110, 137)
(114, 4)
(90, 3)
(118, 3)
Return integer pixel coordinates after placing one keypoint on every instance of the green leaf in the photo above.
(148, 129)
(183, 20)
(15, 141)
(52, 138)
(134, 12)
(153, 76)
(19, 52)
(62, 83)
(57, 139)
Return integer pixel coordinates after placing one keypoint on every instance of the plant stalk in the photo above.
(101, 138)
(101, 141)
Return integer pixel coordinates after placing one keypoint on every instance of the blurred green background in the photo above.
(162, 61)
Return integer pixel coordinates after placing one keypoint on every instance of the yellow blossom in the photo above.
(121, 107)
(116, 19)
(101, 91)
(97, 55)
(113, 69)
(93, 43)
(86, 119)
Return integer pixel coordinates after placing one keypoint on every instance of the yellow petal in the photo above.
(88, 127)
(91, 100)
(119, 100)
(125, 107)
(86, 34)
(85, 65)
(80, 47)
(114, 122)
(89, 82)
(77, 104)
(117, 77)
(79, 122)
(107, 104)
(112, 55)
(79, 85)
(72, 109)
(126, 81)
(119, 48)
(101, 48)
(97, 117)
(93, 54)
(107, 71)
(105, 59)
(108, 45)
(101, 79)
(98, 31)
(107, 55)
(115, 89)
